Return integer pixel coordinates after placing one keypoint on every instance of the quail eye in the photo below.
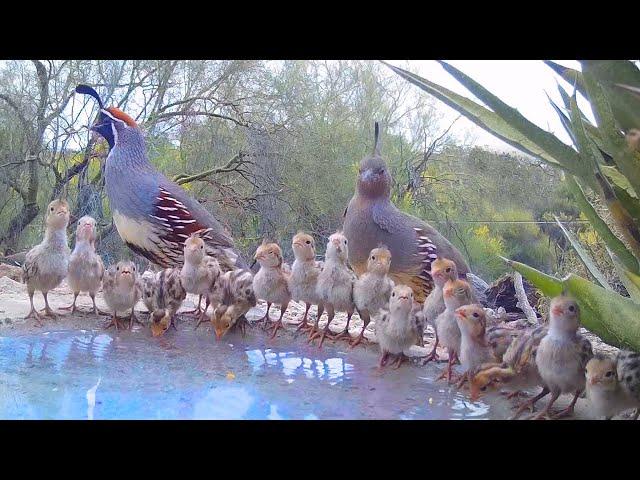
(201, 247)
(373, 257)
(475, 314)
(345, 242)
(571, 308)
(117, 269)
(247, 291)
(393, 294)
(608, 374)
(448, 269)
(484, 389)
(52, 209)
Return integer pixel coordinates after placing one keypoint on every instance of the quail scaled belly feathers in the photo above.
(371, 219)
(153, 215)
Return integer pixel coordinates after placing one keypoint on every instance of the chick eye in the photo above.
(484, 389)
(608, 374)
(393, 294)
(475, 314)
(373, 257)
(134, 268)
(201, 247)
(52, 209)
(248, 291)
(117, 269)
(448, 269)
(345, 242)
(571, 308)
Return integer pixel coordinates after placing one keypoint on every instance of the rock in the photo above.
(11, 271)
(502, 293)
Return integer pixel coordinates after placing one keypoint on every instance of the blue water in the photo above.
(188, 375)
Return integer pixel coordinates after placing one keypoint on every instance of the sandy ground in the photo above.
(14, 306)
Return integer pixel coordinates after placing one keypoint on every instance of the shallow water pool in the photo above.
(188, 375)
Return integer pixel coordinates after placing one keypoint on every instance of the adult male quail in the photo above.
(153, 215)
(371, 219)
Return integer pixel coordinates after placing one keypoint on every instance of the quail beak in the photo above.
(593, 381)
(219, 333)
(557, 310)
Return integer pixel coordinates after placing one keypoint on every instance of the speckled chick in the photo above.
(304, 276)
(371, 292)
(474, 347)
(121, 291)
(271, 283)
(613, 384)
(335, 283)
(237, 299)
(47, 263)
(563, 354)
(442, 270)
(199, 273)
(85, 265)
(163, 292)
(395, 327)
(456, 293)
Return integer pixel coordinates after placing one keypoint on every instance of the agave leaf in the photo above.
(586, 147)
(614, 318)
(584, 256)
(630, 280)
(620, 180)
(605, 233)
(545, 140)
(570, 75)
(488, 120)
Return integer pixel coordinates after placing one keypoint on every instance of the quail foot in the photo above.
(47, 264)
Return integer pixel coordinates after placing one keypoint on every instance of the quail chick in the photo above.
(237, 299)
(518, 370)
(613, 384)
(199, 273)
(456, 293)
(271, 283)
(163, 292)
(442, 270)
(395, 327)
(121, 291)
(304, 276)
(335, 283)
(85, 265)
(371, 292)
(563, 354)
(474, 348)
(47, 263)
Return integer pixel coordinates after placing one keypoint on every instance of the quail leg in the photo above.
(323, 333)
(279, 325)
(463, 380)
(569, 410)
(33, 313)
(47, 309)
(133, 318)
(344, 333)
(314, 328)
(115, 322)
(448, 372)
(196, 311)
(512, 395)
(366, 318)
(399, 360)
(264, 321)
(72, 307)
(544, 413)
(433, 355)
(383, 359)
(530, 403)
(96, 310)
(303, 325)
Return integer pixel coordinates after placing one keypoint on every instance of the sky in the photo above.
(520, 83)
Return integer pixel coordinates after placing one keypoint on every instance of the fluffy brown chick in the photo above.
(237, 299)
(371, 292)
(442, 270)
(271, 283)
(304, 276)
(563, 354)
(85, 265)
(120, 291)
(395, 327)
(47, 263)
(613, 384)
(474, 348)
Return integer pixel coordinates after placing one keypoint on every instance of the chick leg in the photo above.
(96, 310)
(433, 355)
(323, 333)
(383, 359)
(303, 325)
(569, 410)
(196, 311)
(366, 319)
(278, 325)
(345, 332)
(399, 360)
(33, 313)
(47, 309)
(203, 316)
(133, 318)
(545, 412)
(314, 328)
(530, 403)
(266, 319)
(72, 307)
(115, 322)
(448, 372)
(463, 380)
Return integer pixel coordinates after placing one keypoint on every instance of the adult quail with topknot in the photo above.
(371, 219)
(153, 215)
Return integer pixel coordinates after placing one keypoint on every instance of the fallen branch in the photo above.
(523, 302)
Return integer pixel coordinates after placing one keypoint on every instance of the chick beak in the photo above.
(593, 381)
(558, 311)
(461, 314)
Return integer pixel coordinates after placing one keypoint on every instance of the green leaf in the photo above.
(588, 152)
(630, 280)
(605, 233)
(614, 318)
(549, 143)
(584, 256)
(570, 75)
(486, 119)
